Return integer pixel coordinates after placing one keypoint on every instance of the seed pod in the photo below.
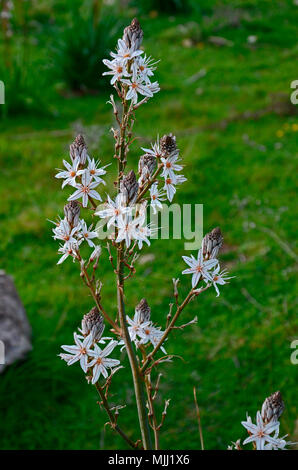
(133, 35)
(272, 407)
(72, 213)
(143, 311)
(212, 243)
(168, 144)
(93, 323)
(129, 187)
(78, 149)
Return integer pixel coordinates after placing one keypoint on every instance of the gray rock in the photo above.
(15, 330)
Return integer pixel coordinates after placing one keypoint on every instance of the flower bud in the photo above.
(143, 311)
(168, 144)
(129, 187)
(272, 408)
(147, 165)
(93, 323)
(78, 149)
(72, 213)
(212, 243)
(133, 35)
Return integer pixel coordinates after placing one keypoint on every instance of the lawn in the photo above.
(230, 108)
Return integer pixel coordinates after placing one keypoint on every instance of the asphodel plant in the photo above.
(122, 211)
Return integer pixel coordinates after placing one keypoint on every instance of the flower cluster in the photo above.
(265, 433)
(93, 360)
(130, 68)
(167, 153)
(206, 267)
(83, 173)
(141, 328)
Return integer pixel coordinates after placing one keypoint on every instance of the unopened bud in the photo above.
(133, 35)
(129, 187)
(147, 165)
(168, 144)
(143, 311)
(272, 408)
(78, 149)
(93, 323)
(212, 243)
(72, 213)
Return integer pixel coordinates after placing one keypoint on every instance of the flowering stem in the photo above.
(179, 309)
(137, 378)
(112, 418)
(150, 183)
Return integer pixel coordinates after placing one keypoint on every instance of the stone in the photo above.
(15, 330)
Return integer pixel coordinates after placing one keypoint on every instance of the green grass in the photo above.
(243, 169)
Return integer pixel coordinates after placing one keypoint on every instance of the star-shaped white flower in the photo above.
(100, 362)
(87, 234)
(68, 249)
(144, 66)
(156, 197)
(124, 53)
(64, 232)
(96, 171)
(72, 171)
(126, 229)
(199, 268)
(118, 69)
(85, 189)
(219, 278)
(79, 352)
(114, 210)
(136, 326)
(136, 85)
(260, 432)
(170, 166)
(155, 149)
(152, 334)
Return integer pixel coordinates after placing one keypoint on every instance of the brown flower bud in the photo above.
(72, 213)
(133, 35)
(78, 149)
(93, 323)
(147, 165)
(212, 243)
(143, 311)
(272, 407)
(168, 144)
(129, 187)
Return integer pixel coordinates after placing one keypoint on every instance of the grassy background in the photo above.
(237, 131)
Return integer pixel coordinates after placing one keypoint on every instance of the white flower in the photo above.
(101, 362)
(68, 249)
(154, 87)
(218, 278)
(144, 66)
(126, 229)
(170, 187)
(156, 197)
(63, 231)
(280, 443)
(87, 234)
(170, 166)
(79, 352)
(152, 334)
(72, 171)
(199, 268)
(114, 210)
(85, 189)
(136, 85)
(124, 53)
(95, 171)
(136, 326)
(260, 432)
(118, 69)
(155, 149)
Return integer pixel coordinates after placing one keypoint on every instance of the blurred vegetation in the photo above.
(228, 102)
